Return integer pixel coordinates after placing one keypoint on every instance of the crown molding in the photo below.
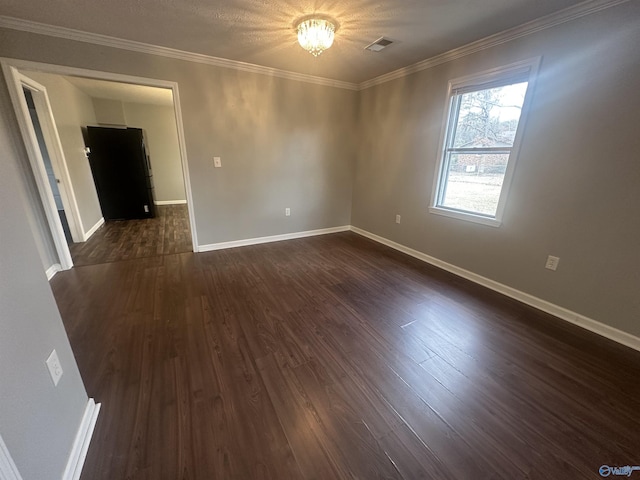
(566, 15)
(563, 16)
(107, 41)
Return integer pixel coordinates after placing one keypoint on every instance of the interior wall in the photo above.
(159, 124)
(575, 191)
(73, 111)
(109, 112)
(38, 421)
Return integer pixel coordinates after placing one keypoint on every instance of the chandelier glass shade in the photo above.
(315, 35)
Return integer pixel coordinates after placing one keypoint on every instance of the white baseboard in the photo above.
(577, 319)
(170, 202)
(81, 443)
(8, 469)
(92, 230)
(52, 270)
(273, 238)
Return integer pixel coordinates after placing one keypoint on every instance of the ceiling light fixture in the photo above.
(315, 35)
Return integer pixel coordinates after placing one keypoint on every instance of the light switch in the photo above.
(55, 369)
(217, 162)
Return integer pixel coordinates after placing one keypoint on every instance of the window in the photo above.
(484, 122)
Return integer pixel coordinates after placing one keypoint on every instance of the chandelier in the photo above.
(315, 35)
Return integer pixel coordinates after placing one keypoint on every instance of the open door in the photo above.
(38, 129)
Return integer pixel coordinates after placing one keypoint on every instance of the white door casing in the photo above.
(8, 469)
(16, 82)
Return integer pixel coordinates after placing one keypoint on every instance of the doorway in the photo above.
(66, 223)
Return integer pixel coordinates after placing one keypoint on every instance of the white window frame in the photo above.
(484, 80)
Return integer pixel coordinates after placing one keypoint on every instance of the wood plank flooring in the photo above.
(118, 240)
(334, 357)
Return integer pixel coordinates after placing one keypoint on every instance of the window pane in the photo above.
(474, 182)
(489, 118)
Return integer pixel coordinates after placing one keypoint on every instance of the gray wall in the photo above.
(38, 421)
(576, 190)
(159, 124)
(109, 112)
(72, 111)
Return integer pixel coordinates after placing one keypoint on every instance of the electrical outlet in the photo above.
(55, 369)
(552, 263)
(398, 218)
(217, 162)
(287, 212)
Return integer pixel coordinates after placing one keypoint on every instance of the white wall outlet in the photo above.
(287, 212)
(217, 162)
(398, 218)
(552, 263)
(55, 369)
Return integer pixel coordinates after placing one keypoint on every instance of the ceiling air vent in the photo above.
(378, 44)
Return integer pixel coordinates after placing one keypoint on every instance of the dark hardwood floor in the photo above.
(334, 357)
(119, 240)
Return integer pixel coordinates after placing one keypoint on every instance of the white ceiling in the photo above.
(261, 31)
(124, 92)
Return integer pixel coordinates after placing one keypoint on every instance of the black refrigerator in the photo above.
(122, 172)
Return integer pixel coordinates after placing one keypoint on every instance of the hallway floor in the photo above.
(165, 234)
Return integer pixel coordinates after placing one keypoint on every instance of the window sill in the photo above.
(469, 217)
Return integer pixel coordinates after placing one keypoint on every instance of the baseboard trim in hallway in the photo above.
(52, 270)
(565, 314)
(82, 441)
(92, 230)
(170, 202)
